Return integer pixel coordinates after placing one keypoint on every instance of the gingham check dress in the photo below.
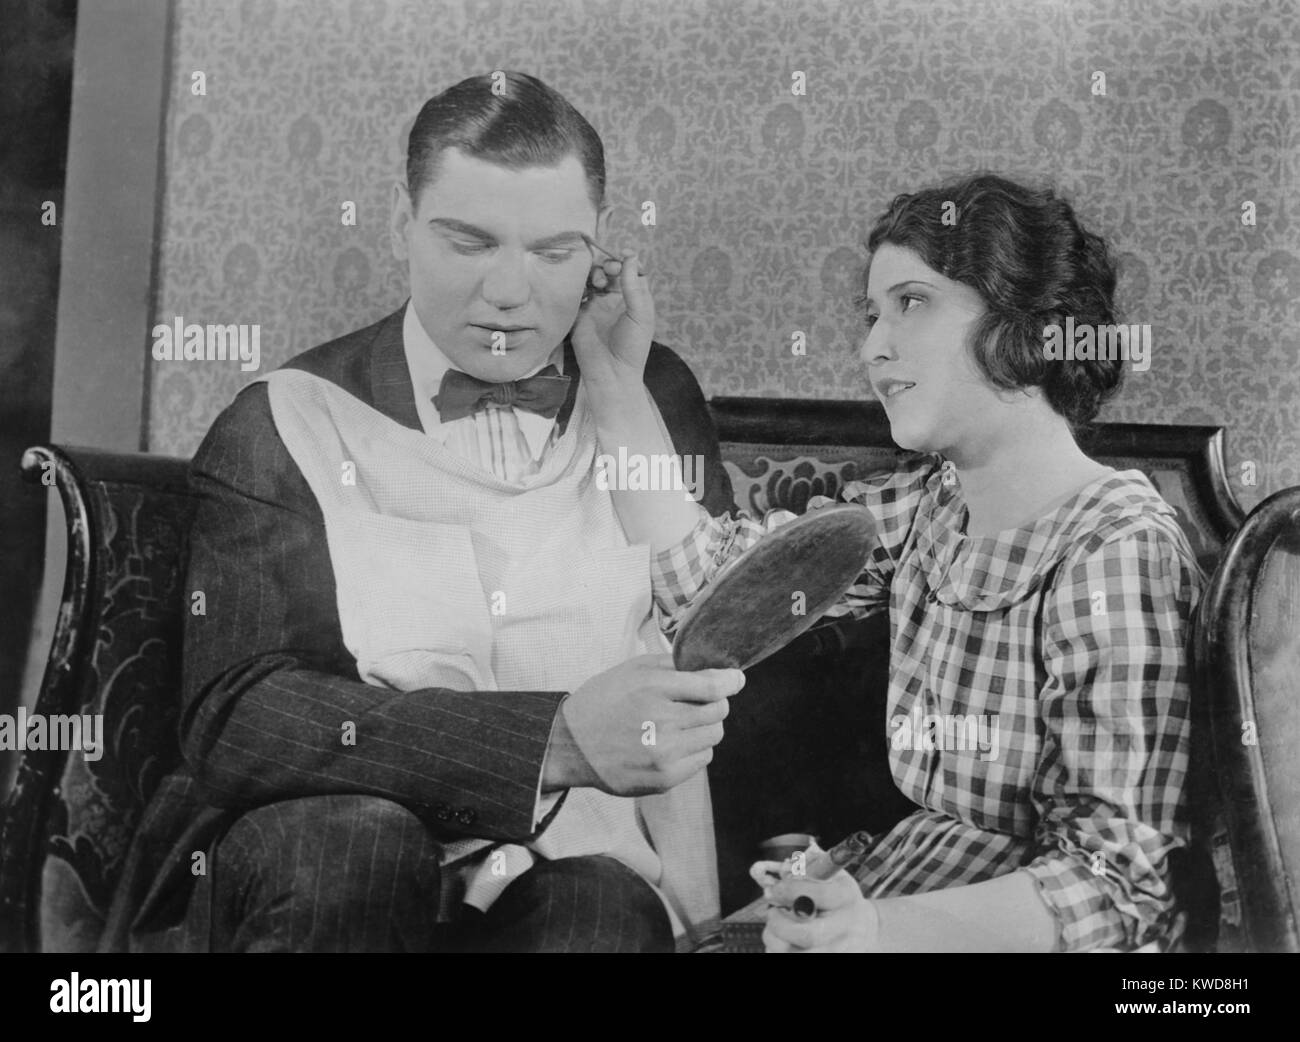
(1069, 636)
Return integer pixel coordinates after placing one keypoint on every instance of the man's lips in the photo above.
(501, 337)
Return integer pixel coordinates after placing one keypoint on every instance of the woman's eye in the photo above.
(870, 320)
(906, 298)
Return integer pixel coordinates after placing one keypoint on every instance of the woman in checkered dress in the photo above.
(1039, 601)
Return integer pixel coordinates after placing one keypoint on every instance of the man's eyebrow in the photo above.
(900, 285)
(559, 239)
(565, 238)
(450, 224)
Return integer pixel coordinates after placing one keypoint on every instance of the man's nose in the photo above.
(505, 284)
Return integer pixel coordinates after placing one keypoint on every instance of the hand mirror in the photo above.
(750, 611)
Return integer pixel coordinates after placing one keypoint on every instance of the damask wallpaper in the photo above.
(762, 195)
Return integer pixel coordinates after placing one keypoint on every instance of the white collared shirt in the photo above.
(506, 442)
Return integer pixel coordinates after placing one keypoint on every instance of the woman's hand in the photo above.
(613, 333)
(612, 341)
(842, 920)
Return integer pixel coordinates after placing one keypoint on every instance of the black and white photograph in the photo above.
(650, 476)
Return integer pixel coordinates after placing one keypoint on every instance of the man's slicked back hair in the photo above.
(521, 123)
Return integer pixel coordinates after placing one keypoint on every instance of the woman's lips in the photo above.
(888, 390)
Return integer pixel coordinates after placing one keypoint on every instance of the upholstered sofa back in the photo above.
(780, 452)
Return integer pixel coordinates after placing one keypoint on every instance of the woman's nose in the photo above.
(877, 345)
(505, 284)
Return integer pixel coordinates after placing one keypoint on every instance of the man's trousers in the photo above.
(360, 874)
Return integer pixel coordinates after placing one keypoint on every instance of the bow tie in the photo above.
(461, 394)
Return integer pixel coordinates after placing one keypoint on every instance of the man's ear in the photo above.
(602, 223)
(400, 220)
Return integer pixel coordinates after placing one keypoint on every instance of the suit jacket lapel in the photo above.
(571, 370)
(390, 377)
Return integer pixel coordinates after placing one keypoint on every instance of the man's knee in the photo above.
(327, 873)
(340, 834)
(579, 904)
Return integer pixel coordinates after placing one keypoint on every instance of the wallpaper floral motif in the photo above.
(763, 197)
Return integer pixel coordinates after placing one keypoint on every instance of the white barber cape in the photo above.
(448, 576)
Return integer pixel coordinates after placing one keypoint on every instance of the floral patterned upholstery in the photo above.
(787, 476)
(116, 651)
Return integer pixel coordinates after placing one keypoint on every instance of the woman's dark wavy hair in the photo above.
(1026, 254)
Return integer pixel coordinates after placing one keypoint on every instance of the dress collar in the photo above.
(985, 573)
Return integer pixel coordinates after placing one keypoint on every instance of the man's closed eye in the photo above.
(470, 247)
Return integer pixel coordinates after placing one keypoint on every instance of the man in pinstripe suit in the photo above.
(317, 838)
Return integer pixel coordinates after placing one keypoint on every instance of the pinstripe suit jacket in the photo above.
(267, 679)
